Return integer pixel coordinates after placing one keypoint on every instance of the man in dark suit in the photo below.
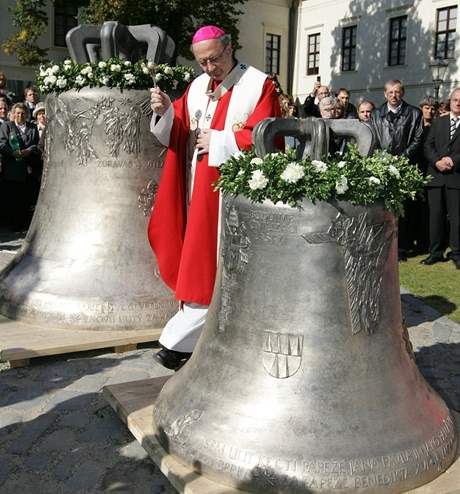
(19, 149)
(399, 129)
(442, 151)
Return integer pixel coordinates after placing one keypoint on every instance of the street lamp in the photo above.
(438, 69)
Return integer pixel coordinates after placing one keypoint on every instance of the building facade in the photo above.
(263, 37)
(360, 44)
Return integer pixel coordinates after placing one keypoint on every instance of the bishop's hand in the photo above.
(159, 101)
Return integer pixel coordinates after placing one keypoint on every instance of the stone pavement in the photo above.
(59, 436)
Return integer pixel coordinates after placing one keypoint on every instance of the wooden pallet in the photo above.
(134, 402)
(20, 342)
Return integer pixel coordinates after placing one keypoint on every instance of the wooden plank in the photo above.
(16, 364)
(125, 348)
(134, 402)
(19, 341)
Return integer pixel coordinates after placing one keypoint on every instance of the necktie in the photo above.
(453, 126)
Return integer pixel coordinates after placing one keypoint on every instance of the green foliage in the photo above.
(179, 18)
(121, 74)
(278, 177)
(30, 21)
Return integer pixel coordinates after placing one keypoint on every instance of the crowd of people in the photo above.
(22, 125)
(427, 136)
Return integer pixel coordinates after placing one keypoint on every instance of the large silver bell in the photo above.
(304, 380)
(86, 262)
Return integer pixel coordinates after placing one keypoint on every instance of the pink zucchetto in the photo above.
(207, 32)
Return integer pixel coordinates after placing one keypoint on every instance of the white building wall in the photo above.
(328, 17)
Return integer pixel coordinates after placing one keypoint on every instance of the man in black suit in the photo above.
(442, 151)
(18, 149)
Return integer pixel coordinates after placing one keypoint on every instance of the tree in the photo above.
(30, 21)
(179, 18)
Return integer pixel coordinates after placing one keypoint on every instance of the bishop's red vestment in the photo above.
(184, 236)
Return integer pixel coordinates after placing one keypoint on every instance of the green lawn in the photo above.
(438, 285)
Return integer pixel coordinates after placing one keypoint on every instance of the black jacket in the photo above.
(400, 134)
(438, 144)
(310, 108)
(16, 170)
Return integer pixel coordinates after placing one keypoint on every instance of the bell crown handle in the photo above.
(313, 135)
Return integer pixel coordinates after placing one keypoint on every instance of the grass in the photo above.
(437, 285)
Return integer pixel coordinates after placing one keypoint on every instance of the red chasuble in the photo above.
(185, 239)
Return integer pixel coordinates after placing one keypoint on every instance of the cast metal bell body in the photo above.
(86, 262)
(304, 380)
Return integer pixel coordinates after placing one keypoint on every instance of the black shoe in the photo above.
(456, 261)
(432, 259)
(171, 359)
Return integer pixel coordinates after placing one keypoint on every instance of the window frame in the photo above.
(270, 50)
(64, 20)
(400, 42)
(315, 53)
(347, 63)
(438, 33)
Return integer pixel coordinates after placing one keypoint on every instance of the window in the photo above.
(445, 33)
(313, 54)
(349, 48)
(272, 53)
(398, 37)
(65, 18)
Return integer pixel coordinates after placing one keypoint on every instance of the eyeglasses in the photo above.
(212, 60)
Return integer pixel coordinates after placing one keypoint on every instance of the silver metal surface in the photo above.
(86, 261)
(313, 135)
(303, 380)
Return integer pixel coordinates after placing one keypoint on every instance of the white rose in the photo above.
(55, 69)
(341, 186)
(86, 71)
(67, 61)
(187, 76)
(341, 164)
(292, 173)
(102, 65)
(130, 79)
(150, 65)
(394, 171)
(258, 180)
(115, 67)
(81, 81)
(127, 62)
(49, 71)
(168, 71)
(273, 155)
(374, 180)
(104, 80)
(158, 77)
(144, 68)
(320, 166)
(61, 82)
(50, 80)
(257, 161)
